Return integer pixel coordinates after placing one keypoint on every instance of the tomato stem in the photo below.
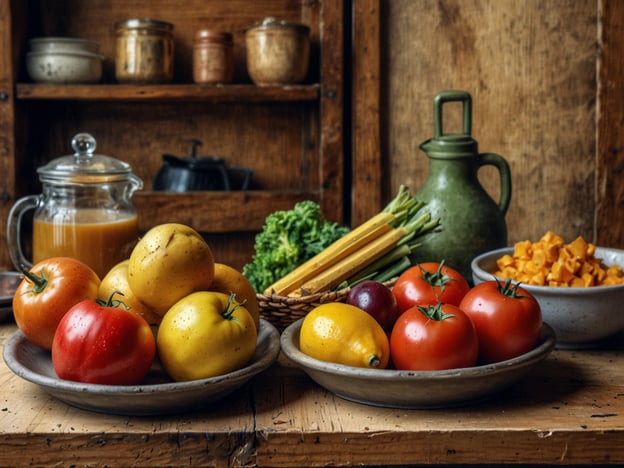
(114, 303)
(435, 312)
(39, 281)
(437, 278)
(509, 289)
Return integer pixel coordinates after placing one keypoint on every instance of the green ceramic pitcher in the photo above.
(471, 222)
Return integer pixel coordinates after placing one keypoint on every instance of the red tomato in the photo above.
(429, 283)
(103, 344)
(433, 338)
(508, 319)
(47, 292)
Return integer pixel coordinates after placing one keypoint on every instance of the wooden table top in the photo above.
(570, 410)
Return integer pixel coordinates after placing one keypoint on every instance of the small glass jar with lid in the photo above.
(144, 51)
(213, 57)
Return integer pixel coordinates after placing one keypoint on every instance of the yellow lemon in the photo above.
(169, 262)
(228, 280)
(344, 334)
(117, 280)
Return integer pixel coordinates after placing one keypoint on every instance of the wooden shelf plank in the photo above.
(174, 92)
(215, 212)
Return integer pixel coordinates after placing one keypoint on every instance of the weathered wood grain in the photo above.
(568, 410)
(367, 162)
(531, 69)
(610, 151)
(290, 136)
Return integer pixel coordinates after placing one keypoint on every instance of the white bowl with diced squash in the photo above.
(581, 316)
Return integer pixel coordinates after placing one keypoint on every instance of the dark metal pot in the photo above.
(200, 174)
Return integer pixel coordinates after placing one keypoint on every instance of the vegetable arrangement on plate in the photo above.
(205, 314)
(489, 323)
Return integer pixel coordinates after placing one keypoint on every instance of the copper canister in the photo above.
(144, 51)
(213, 57)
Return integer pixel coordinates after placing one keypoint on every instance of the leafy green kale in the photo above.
(288, 239)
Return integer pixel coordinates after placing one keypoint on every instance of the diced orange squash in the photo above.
(551, 262)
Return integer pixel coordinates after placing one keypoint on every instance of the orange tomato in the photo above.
(47, 292)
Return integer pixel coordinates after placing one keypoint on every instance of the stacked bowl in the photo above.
(64, 60)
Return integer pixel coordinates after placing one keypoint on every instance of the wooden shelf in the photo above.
(216, 212)
(291, 136)
(243, 93)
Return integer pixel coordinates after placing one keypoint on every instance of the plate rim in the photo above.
(266, 330)
(546, 345)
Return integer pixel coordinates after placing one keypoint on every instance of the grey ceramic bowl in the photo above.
(581, 317)
(63, 44)
(64, 67)
(148, 399)
(415, 389)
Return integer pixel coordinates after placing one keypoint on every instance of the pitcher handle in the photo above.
(493, 159)
(14, 230)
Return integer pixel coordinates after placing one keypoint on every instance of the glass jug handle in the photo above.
(14, 230)
(493, 159)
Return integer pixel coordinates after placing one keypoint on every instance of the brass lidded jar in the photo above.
(144, 51)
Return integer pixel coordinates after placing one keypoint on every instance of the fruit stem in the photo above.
(509, 290)
(114, 303)
(374, 361)
(39, 282)
(437, 278)
(231, 306)
(435, 312)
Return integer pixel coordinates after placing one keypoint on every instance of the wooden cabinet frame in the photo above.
(239, 212)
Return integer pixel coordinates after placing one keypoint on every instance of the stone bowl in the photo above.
(580, 317)
(156, 396)
(390, 388)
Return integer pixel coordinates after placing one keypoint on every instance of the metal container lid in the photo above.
(143, 23)
(209, 35)
(272, 23)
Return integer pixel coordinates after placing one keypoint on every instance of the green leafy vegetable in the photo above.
(289, 238)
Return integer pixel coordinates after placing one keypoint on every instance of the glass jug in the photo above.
(84, 212)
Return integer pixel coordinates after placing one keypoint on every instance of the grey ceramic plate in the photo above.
(35, 365)
(415, 389)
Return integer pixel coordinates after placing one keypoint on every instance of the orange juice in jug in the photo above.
(99, 242)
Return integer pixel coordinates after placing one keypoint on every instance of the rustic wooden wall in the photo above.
(532, 69)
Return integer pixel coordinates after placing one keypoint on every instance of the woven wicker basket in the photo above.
(281, 311)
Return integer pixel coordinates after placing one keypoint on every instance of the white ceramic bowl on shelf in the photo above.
(64, 67)
(581, 317)
(63, 44)
(64, 60)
